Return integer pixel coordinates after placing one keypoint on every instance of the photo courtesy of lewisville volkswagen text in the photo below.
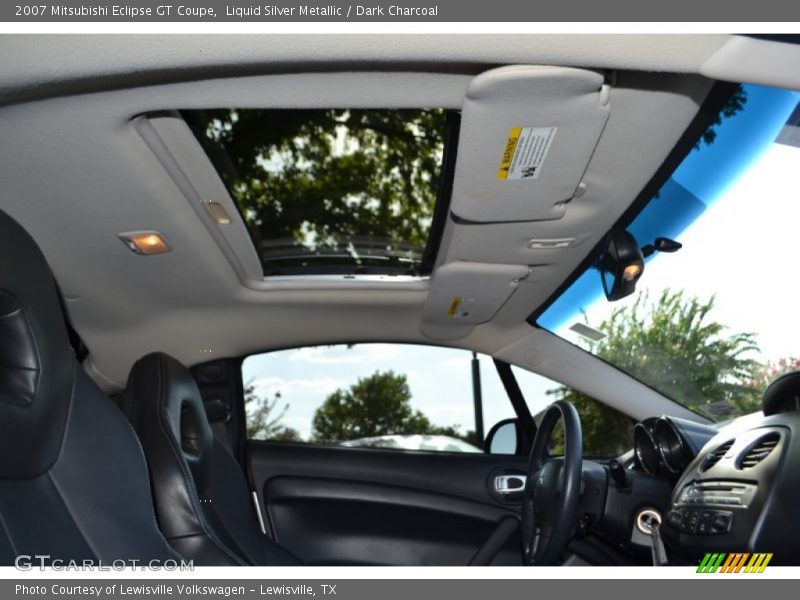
(161, 589)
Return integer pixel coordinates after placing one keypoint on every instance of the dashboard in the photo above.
(734, 489)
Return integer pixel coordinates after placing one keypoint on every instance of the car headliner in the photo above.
(78, 168)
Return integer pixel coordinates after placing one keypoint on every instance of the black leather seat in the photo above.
(201, 496)
(73, 478)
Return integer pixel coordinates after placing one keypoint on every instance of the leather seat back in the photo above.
(201, 495)
(37, 365)
(73, 479)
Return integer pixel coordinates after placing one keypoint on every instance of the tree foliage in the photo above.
(318, 178)
(373, 406)
(771, 370)
(377, 405)
(733, 105)
(672, 345)
(264, 418)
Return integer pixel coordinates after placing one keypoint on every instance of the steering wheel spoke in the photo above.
(550, 503)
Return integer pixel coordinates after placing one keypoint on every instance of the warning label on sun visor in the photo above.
(526, 149)
(461, 308)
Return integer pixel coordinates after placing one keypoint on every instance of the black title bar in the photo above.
(404, 11)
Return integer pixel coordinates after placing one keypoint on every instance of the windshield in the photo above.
(710, 325)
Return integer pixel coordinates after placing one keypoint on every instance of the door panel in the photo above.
(334, 505)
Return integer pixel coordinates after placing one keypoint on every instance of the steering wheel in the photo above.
(552, 488)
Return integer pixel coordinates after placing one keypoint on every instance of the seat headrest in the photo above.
(782, 395)
(37, 364)
(162, 396)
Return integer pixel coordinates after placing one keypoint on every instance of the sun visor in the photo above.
(527, 135)
(465, 294)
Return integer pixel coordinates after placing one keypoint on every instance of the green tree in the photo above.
(262, 421)
(317, 180)
(672, 345)
(374, 406)
(770, 371)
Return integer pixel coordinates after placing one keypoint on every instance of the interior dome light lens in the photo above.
(145, 242)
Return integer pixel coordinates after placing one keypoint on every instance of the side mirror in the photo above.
(621, 265)
(503, 438)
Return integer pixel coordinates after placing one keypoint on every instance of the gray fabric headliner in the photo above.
(76, 172)
(66, 64)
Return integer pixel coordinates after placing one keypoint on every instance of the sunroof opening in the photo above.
(336, 191)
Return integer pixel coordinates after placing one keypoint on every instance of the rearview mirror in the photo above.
(621, 265)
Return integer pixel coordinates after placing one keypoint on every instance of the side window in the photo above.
(400, 396)
(606, 431)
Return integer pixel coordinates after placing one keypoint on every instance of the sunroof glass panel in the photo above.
(331, 190)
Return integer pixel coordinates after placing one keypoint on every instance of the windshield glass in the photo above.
(710, 325)
(331, 191)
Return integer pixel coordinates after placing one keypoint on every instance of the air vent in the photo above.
(716, 455)
(758, 451)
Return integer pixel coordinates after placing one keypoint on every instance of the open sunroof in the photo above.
(335, 191)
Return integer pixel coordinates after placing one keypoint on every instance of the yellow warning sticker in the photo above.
(453, 310)
(461, 308)
(525, 151)
(508, 153)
